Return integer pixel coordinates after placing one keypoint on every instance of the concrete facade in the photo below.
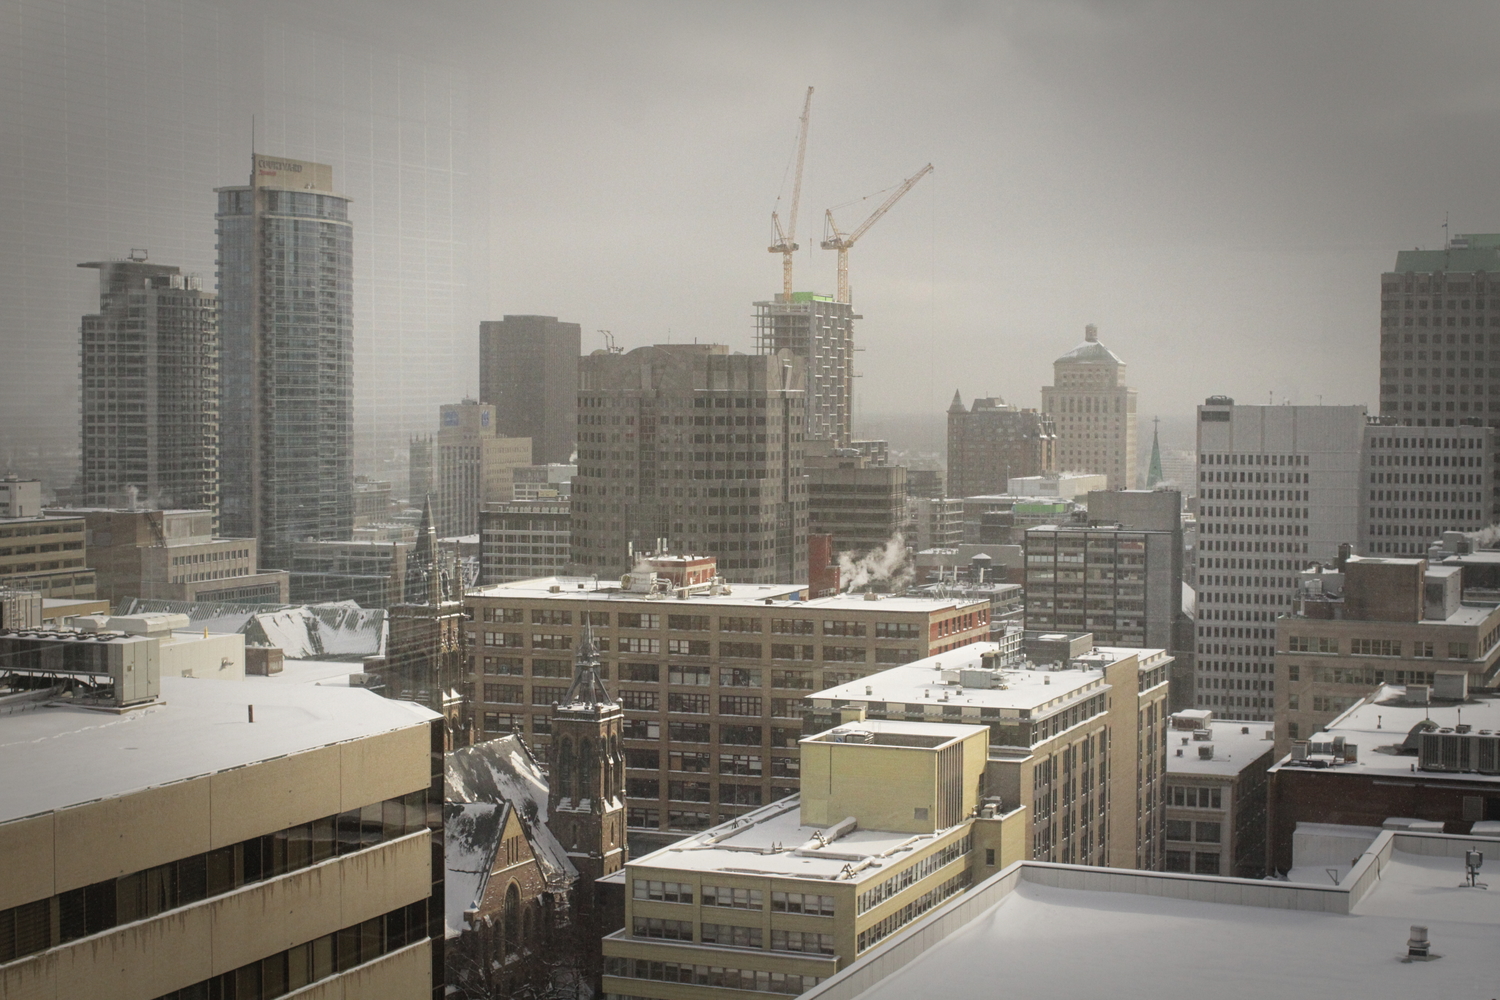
(1093, 413)
(820, 333)
(1416, 483)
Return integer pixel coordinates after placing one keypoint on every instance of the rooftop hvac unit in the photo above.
(1206, 752)
(1459, 752)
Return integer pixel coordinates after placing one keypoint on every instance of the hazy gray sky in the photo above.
(1217, 186)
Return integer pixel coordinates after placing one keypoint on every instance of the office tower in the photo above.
(940, 522)
(286, 290)
(711, 677)
(697, 447)
(993, 442)
(472, 466)
(824, 888)
(861, 504)
(819, 331)
(150, 366)
(1439, 344)
(1279, 489)
(1374, 621)
(255, 838)
(524, 540)
(419, 468)
(528, 368)
(45, 553)
(1118, 576)
(1080, 743)
(1418, 482)
(1093, 411)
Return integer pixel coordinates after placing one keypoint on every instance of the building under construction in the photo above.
(820, 331)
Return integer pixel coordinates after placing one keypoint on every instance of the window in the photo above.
(740, 650)
(503, 693)
(739, 677)
(549, 641)
(853, 630)
(649, 760)
(731, 934)
(989, 856)
(641, 672)
(1458, 650)
(688, 732)
(642, 788)
(738, 704)
(844, 654)
(805, 941)
(688, 791)
(802, 902)
(671, 930)
(598, 618)
(1293, 672)
(688, 647)
(647, 729)
(640, 701)
(694, 676)
(629, 619)
(1422, 650)
(896, 656)
(786, 651)
(679, 760)
(1208, 833)
(548, 695)
(792, 626)
(641, 816)
(663, 892)
(503, 665)
(739, 763)
(551, 616)
(634, 645)
(688, 623)
(739, 625)
(696, 704)
(1312, 644)
(739, 735)
(797, 680)
(512, 640)
(505, 616)
(551, 668)
(1179, 861)
(1206, 864)
(1179, 829)
(1375, 647)
(739, 899)
(895, 630)
(740, 795)
(687, 819)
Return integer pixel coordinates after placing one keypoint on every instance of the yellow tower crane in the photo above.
(786, 242)
(835, 239)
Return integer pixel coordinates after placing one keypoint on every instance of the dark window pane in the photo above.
(393, 816)
(71, 919)
(372, 825)
(192, 879)
(130, 898)
(299, 966)
(99, 906)
(299, 847)
(348, 831)
(323, 841)
(273, 975)
(347, 950)
(220, 870)
(34, 927)
(322, 957)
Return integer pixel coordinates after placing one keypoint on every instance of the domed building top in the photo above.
(1091, 350)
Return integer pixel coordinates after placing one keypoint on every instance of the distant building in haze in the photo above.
(150, 366)
(993, 443)
(1418, 483)
(286, 280)
(473, 466)
(1093, 411)
(820, 331)
(528, 368)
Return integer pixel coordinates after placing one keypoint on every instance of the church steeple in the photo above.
(1154, 473)
(957, 406)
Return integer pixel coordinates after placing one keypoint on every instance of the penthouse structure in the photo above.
(993, 442)
(820, 333)
(291, 848)
(150, 368)
(1076, 736)
(710, 676)
(893, 821)
(1417, 483)
(1279, 489)
(1376, 621)
(697, 447)
(1093, 411)
(286, 291)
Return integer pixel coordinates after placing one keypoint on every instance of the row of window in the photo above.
(912, 874)
(788, 983)
(885, 927)
(1420, 649)
(701, 623)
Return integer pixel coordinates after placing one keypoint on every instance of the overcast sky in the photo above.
(1217, 186)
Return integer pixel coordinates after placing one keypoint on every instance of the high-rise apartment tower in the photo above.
(820, 331)
(528, 368)
(1094, 412)
(286, 277)
(150, 366)
(1279, 489)
(699, 448)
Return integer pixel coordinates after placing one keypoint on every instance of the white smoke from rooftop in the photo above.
(886, 564)
(1485, 538)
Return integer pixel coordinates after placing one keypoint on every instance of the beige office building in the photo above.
(473, 465)
(893, 820)
(1093, 411)
(216, 838)
(46, 554)
(1216, 794)
(711, 676)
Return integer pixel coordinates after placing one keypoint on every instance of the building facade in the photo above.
(528, 370)
(1216, 796)
(697, 447)
(150, 367)
(939, 521)
(1417, 483)
(47, 554)
(473, 465)
(286, 295)
(1093, 412)
(711, 682)
(863, 506)
(1279, 489)
(524, 540)
(993, 442)
(1077, 736)
(370, 573)
(820, 332)
(1121, 584)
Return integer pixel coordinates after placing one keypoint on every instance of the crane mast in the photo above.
(835, 239)
(786, 242)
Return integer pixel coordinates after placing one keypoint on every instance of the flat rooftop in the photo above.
(898, 733)
(1233, 748)
(1065, 931)
(64, 756)
(938, 680)
(1379, 724)
(788, 595)
(772, 841)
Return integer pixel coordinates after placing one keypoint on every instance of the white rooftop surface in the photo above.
(922, 681)
(1233, 749)
(772, 841)
(574, 587)
(324, 673)
(1376, 724)
(1044, 940)
(58, 757)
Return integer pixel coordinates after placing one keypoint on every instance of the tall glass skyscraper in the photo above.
(286, 290)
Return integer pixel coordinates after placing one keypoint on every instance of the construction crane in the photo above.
(609, 343)
(836, 239)
(786, 242)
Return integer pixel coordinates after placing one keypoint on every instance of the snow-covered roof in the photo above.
(471, 837)
(320, 631)
(56, 757)
(1233, 745)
